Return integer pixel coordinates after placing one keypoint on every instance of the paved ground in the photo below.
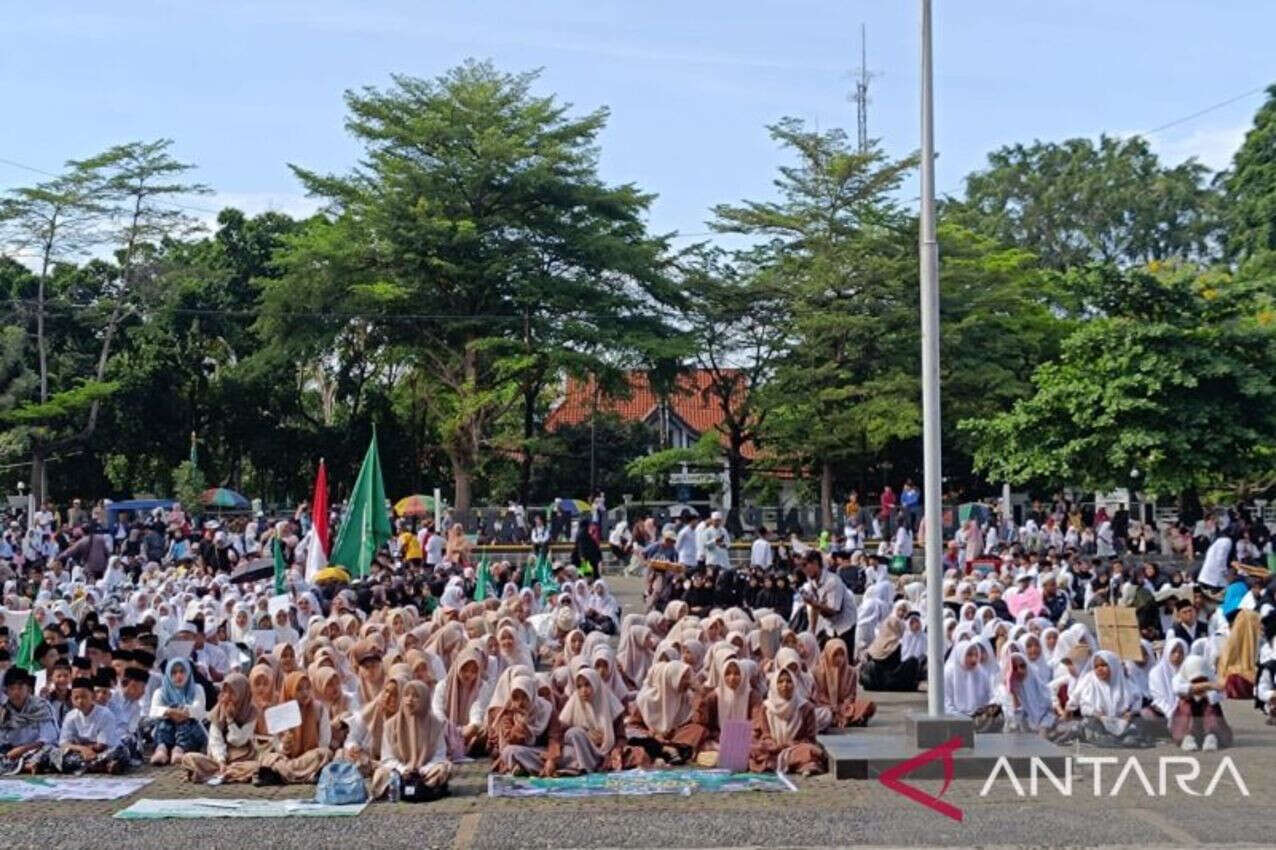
(824, 812)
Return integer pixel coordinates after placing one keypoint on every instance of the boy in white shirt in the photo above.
(89, 741)
(126, 704)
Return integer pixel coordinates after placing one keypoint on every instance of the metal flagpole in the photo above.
(928, 254)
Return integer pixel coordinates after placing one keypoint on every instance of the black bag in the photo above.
(416, 791)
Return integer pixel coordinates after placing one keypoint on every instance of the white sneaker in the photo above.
(1210, 743)
(1189, 743)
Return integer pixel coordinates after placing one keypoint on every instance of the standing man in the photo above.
(686, 541)
(1213, 574)
(716, 543)
(830, 604)
(760, 554)
(910, 499)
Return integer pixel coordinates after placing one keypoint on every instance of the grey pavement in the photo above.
(823, 813)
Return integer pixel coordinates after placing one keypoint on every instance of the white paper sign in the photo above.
(179, 648)
(264, 639)
(282, 602)
(282, 717)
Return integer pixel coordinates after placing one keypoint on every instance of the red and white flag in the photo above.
(319, 508)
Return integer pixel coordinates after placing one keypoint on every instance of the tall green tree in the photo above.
(477, 243)
(1249, 188)
(1170, 383)
(1076, 202)
(842, 250)
(121, 198)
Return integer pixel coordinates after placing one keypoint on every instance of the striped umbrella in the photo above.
(221, 497)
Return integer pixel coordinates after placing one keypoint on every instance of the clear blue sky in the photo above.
(245, 87)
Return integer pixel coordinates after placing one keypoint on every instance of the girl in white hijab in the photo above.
(1024, 700)
(967, 688)
(875, 607)
(1104, 695)
(1198, 716)
(1161, 678)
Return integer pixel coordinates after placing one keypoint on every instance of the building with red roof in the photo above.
(692, 409)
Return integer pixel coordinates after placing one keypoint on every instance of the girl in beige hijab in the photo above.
(592, 722)
(661, 726)
(837, 687)
(458, 702)
(784, 730)
(414, 746)
(523, 732)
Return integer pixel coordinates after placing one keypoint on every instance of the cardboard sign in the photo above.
(1118, 630)
(264, 639)
(733, 745)
(282, 602)
(282, 717)
(1028, 599)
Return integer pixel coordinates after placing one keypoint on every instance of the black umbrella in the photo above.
(254, 571)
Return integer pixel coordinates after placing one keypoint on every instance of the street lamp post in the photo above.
(928, 255)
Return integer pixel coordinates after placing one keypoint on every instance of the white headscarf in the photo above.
(1034, 699)
(1106, 700)
(1161, 678)
(966, 690)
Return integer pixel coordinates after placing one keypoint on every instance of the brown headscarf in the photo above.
(305, 737)
(459, 697)
(1240, 653)
(374, 715)
(371, 679)
(263, 675)
(244, 710)
(835, 678)
(412, 737)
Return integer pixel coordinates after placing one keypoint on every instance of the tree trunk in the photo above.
(826, 496)
(529, 431)
(37, 473)
(462, 476)
(735, 462)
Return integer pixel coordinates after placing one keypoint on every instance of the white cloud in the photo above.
(1212, 146)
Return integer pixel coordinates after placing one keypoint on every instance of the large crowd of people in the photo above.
(147, 648)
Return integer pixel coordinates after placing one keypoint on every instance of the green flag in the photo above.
(483, 586)
(365, 527)
(31, 638)
(281, 568)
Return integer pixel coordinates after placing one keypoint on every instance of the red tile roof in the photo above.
(692, 401)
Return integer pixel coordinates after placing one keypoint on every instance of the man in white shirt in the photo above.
(830, 601)
(760, 554)
(686, 540)
(1213, 574)
(715, 543)
(434, 547)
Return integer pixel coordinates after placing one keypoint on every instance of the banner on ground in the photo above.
(682, 781)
